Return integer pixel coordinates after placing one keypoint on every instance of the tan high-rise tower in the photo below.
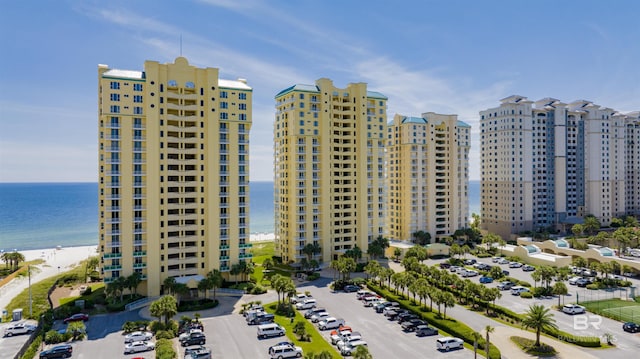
(173, 172)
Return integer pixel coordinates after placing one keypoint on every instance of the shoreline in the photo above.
(41, 253)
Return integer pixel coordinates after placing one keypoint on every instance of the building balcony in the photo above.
(224, 268)
(112, 255)
(224, 246)
(246, 245)
(143, 277)
(139, 265)
(140, 254)
(114, 244)
(112, 268)
(224, 258)
(246, 255)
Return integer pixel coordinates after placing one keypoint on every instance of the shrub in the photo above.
(593, 286)
(360, 267)
(258, 289)
(313, 276)
(53, 337)
(524, 283)
(132, 326)
(164, 334)
(115, 307)
(526, 295)
(164, 349)
(541, 291)
(87, 291)
(197, 305)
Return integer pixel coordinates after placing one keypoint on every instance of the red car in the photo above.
(77, 317)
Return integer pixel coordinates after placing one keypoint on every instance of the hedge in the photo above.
(449, 325)
(164, 349)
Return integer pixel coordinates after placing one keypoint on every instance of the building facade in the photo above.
(632, 186)
(427, 169)
(329, 170)
(173, 172)
(548, 164)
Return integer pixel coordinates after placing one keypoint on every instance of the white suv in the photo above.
(573, 309)
(19, 328)
(285, 351)
(448, 343)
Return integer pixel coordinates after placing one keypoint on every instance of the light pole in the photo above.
(30, 304)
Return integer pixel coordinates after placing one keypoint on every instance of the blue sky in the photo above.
(444, 56)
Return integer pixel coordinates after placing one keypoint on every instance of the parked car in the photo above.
(300, 297)
(137, 347)
(199, 352)
(340, 335)
(411, 324)
(270, 330)
(517, 290)
(350, 288)
(138, 337)
(351, 347)
(380, 307)
(262, 318)
(583, 282)
(58, 351)
(485, 279)
(195, 348)
(309, 313)
(340, 329)
(503, 261)
(403, 317)
(573, 309)
(506, 285)
(528, 268)
(454, 269)
(469, 262)
(253, 308)
(76, 318)
(19, 328)
(495, 259)
(448, 343)
(505, 273)
(445, 265)
(574, 280)
(371, 301)
(425, 330)
(361, 294)
(291, 344)
(469, 273)
(306, 304)
(482, 266)
(330, 323)
(318, 317)
(285, 351)
(631, 327)
(348, 339)
(515, 265)
(193, 339)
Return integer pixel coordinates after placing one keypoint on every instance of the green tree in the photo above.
(169, 285)
(311, 249)
(355, 253)
(180, 290)
(77, 329)
(488, 329)
(491, 241)
(538, 318)
(91, 265)
(476, 337)
(248, 269)
(591, 224)
(377, 247)
(559, 289)
(397, 252)
(372, 269)
(448, 301)
(132, 282)
(165, 307)
(577, 230)
(362, 352)
(215, 279)
(455, 250)
(580, 262)
(418, 252)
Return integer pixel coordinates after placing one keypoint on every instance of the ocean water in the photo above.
(45, 215)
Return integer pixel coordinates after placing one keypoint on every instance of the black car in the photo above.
(445, 265)
(425, 330)
(411, 324)
(582, 282)
(350, 288)
(393, 314)
(631, 327)
(194, 339)
(406, 317)
(469, 262)
(59, 351)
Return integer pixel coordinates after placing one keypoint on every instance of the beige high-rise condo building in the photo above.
(427, 165)
(329, 169)
(173, 173)
(548, 164)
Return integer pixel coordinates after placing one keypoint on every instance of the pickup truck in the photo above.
(330, 323)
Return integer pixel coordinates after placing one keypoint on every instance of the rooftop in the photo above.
(124, 74)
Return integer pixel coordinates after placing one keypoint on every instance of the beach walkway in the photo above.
(55, 261)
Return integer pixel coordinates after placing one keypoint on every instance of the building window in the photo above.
(224, 104)
(137, 87)
(190, 85)
(242, 96)
(224, 116)
(172, 83)
(243, 117)
(114, 109)
(224, 94)
(242, 106)
(137, 110)
(114, 85)
(114, 97)
(137, 98)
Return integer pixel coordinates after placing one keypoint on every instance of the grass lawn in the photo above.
(317, 343)
(262, 251)
(97, 289)
(617, 309)
(528, 346)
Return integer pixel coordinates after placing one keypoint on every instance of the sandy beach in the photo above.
(55, 261)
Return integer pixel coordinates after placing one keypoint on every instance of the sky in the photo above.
(453, 57)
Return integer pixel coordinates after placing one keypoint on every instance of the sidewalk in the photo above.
(509, 350)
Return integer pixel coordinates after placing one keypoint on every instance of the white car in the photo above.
(503, 261)
(137, 347)
(348, 340)
(352, 346)
(342, 335)
(300, 297)
(517, 290)
(448, 343)
(573, 309)
(318, 317)
(19, 328)
(140, 337)
(515, 265)
(469, 273)
(285, 351)
(330, 323)
(574, 280)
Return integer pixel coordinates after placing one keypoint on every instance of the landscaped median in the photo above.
(316, 343)
(449, 326)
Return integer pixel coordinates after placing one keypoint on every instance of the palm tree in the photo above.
(476, 336)
(362, 352)
(6, 257)
(448, 301)
(397, 252)
(165, 307)
(169, 284)
(120, 284)
(204, 285)
(488, 329)
(180, 289)
(91, 265)
(132, 282)
(215, 280)
(311, 249)
(248, 269)
(559, 289)
(538, 318)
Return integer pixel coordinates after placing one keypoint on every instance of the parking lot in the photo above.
(11, 345)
